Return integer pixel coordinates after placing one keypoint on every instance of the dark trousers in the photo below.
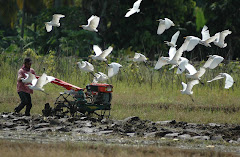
(25, 101)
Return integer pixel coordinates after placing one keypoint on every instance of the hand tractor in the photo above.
(94, 99)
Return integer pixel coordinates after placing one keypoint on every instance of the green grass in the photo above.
(139, 91)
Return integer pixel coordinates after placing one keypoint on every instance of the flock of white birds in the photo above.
(175, 55)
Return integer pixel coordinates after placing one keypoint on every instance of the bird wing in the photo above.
(161, 62)
(191, 84)
(106, 52)
(41, 81)
(177, 55)
(175, 37)
(81, 65)
(97, 50)
(229, 81)
(223, 35)
(89, 67)
(137, 4)
(56, 18)
(93, 21)
(216, 78)
(192, 43)
(211, 39)
(201, 72)
(182, 66)
(172, 52)
(161, 27)
(216, 61)
(48, 27)
(130, 12)
(191, 69)
(184, 86)
(205, 33)
(30, 77)
(168, 23)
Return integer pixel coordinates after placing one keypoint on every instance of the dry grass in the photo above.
(27, 149)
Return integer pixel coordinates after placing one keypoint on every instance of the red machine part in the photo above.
(66, 85)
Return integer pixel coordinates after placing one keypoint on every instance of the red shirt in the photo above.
(23, 86)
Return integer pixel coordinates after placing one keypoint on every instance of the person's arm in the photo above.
(20, 75)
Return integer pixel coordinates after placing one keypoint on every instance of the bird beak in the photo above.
(80, 26)
(184, 37)
(157, 20)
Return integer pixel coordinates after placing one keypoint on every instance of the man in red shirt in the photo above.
(22, 88)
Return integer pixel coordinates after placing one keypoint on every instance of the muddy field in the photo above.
(130, 131)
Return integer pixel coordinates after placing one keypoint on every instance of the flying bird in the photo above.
(206, 39)
(99, 54)
(164, 24)
(92, 25)
(187, 88)
(54, 22)
(113, 69)
(85, 66)
(213, 61)
(99, 77)
(138, 57)
(228, 82)
(134, 9)
(221, 37)
(173, 41)
(37, 84)
(29, 78)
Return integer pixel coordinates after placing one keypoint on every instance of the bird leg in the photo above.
(191, 97)
(201, 82)
(44, 92)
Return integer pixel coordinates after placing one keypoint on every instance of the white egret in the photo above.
(206, 39)
(134, 9)
(113, 69)
(29, 78)
(92, 25)
(193, 73)
(138, 57)
(174, 58)
(187, 88)
(213, 61)
(99, 77)
(173, 41)
(54, 22)
(99, 54)
(164, 25)
(37, 84)
(221, 37)
(85, 66)
(228, 82)
(190, 42)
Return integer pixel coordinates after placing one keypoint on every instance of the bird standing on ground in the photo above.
(99, 54)
(54, 22)
(164, 25)
(228, 82)
(134, 9)
(92, 25)
(187, 88)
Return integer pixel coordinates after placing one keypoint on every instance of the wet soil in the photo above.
(129, 131)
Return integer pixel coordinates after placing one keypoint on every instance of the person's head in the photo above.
(28, 62)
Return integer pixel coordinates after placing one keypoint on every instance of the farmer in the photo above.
(22, 89)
